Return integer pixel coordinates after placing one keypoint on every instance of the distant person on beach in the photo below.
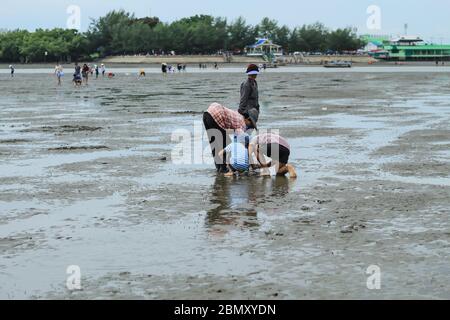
(216, 66)
(276, 148)
(77, 79)
(59, 73)
(85, 73)
(164, 68)
(179, 67)
(103, 69)
(184, 67)
(219, 122)
(96, 71)
(77, 68)
(237, 160)
(11, 67)
(142, 73)
(249, 91)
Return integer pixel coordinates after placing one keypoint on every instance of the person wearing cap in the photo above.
(249, 91)
(219, 122)
(276, 148)
(103, 68)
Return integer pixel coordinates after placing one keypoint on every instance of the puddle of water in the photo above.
(43, 165)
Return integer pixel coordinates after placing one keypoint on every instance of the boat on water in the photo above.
(338, 64)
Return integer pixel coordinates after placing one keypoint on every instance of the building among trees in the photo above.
(264, 47)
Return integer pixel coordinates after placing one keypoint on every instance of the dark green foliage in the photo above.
(120, 32)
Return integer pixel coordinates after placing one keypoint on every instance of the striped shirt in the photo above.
(226, 118)
(270, 138)
(238, 156)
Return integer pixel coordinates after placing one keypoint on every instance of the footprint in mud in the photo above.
(77, 148)
(63, 129)
(14, 141)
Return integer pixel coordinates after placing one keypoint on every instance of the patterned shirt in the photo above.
(239, 156)
(227, 118)
(269, 138)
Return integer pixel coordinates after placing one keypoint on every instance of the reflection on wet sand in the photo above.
(236, 201)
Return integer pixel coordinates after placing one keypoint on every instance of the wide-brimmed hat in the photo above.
(253, 115)
(252, 69)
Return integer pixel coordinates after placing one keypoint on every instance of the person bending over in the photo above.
(276, 148)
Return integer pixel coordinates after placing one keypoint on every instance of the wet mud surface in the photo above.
(87, 179)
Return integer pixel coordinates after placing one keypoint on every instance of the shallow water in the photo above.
(370, 149)
(235, 69)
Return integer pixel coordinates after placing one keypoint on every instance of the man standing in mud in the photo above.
(249, 91)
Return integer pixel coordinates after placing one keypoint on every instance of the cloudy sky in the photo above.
(430, 18)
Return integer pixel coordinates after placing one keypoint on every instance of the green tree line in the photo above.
(120, 32)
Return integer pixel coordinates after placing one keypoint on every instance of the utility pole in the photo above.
(406, 29)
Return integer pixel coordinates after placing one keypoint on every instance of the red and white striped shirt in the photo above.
(226, 118)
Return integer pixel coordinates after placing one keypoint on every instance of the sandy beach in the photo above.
(87, 179)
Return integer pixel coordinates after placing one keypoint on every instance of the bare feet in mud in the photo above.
(292, 172)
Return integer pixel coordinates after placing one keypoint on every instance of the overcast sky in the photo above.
(429, 19)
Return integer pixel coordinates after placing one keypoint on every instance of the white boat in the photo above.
(338, 64)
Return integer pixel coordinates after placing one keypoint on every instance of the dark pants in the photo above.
(218, 140)
(276, 152)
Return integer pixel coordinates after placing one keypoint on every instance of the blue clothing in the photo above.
(238, 156)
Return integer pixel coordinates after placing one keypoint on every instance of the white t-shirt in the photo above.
(238, 156)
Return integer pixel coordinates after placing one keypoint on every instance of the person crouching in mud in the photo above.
(237, 159)
(276, 148)
(249, 91)
(219, 122)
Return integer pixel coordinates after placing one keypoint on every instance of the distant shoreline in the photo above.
(237, 61)
(4, 67)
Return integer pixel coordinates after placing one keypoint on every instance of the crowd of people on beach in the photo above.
(246, 150)
(165, 68)
(82, 73)
(205, 66)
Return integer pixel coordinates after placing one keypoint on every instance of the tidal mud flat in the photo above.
(86, 179)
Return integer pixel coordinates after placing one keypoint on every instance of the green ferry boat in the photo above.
(408, 48)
